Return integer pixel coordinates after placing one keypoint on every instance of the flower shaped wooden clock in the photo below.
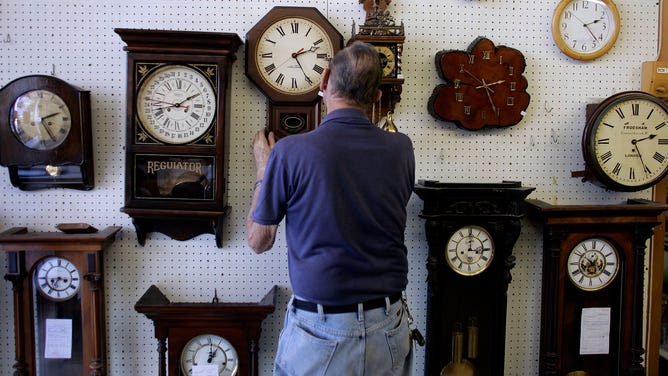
(484, 87)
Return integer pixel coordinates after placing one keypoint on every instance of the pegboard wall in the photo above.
(74, 40)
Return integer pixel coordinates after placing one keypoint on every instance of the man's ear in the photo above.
(379, 94)
(325, 80)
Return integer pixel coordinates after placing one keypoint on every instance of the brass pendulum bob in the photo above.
(389, 123)
(458, 366)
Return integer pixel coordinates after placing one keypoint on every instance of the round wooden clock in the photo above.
(585, 29)
(471, 230)
(58, 289)
(593, 286)
(287, 52)
(45, 134)
(625, 141)
(485, 86)
(214, 338)
(177, 130)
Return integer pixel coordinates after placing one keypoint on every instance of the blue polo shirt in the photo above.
(343, 190)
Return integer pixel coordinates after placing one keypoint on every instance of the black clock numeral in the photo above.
(318, 68)
(280, 79)
(632, 173)
(620, 113)
(270, 41)
(281, 31)
(603, 141)
(661, 125)
(635, 109)
(606, 157)
(659, 157)
(322, 56)
(651, 111)
(318, 42)
(295, 27)
(269, 68)
(663, 141)
(617, 169)
(294, 83)
(308, 31)
(610, 125)
(267, 55)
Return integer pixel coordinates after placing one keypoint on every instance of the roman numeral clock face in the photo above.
(469, 250)
(592, 264)
(292, 54)
(626, 145)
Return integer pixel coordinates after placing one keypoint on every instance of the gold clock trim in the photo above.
(487, 261)
(595, 267)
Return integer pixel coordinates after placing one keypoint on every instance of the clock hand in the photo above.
(644, 167)
(178, 104)
(50, 115)
(651, 136)
(488, 90)
(305, 76)
(491, 83)
(295, 54)
(48, 131)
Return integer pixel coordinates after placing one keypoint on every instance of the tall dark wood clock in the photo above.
(287, 52)
(471, 230)
(593, 286)
(58, 285)
(381, 31)
(178, 96)
(217, 338)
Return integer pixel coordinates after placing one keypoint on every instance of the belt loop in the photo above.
(291, 304)
(360, 312)
(321, 312)
(387, 305)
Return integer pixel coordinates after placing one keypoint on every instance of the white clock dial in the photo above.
(469, 250)
(209, 350)
(592, 264)
(176, 104)
(585, 29)
(40, 119)
(292, 54)
(57, 278)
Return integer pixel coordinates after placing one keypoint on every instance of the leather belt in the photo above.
(369, 304)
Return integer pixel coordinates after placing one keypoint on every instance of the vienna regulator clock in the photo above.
(214, 338)
(178, 96)
(381, 31)
(287, 52)
(593, 286)
(58, 287)
(471, 230)
(46, 134)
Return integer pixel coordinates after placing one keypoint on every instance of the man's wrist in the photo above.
(257, 184)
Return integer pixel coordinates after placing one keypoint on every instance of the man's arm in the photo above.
(260, 237)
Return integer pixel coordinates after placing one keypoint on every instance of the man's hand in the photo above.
(262, 145)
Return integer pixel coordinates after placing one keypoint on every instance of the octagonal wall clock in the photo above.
(484, 86)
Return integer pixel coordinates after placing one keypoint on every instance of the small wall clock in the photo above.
(625, 142)
(214, 338)
(485, 86)
(177, 131)
(45, 134)
(585, 29)
(471, 230)
(593, 278)
(58, 287)
(286, 53)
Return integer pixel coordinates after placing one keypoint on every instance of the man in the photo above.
(343, 189)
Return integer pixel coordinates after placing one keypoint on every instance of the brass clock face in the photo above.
(292, 54)
(469, 250)
(388, 59)
(209, 350)
(176, 104)
(585, 29)
(625, 142)
(57, 278)
(40, 119)
(592, 264)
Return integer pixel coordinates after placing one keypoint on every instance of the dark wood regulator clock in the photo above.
(381, 31)
(593, 286)
(471, 230)
(178, 97)
(625, 142)
(214, 338)
(58, 286)
(45, 134)
(484, 86)
(287, 52)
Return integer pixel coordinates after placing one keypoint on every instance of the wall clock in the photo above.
(177, 131)
(484, 86)
(585, 29)
(217, 338)
(286, 53)
(625, 141)
(45, 134)
(471, 230)
(593, 278)
(58, 286)
(381, 31)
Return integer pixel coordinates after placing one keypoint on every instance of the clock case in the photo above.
(454, 298)
(593, 172)
(627, 226)
(74, 156)
(176, 323)
(179, 216)
(24, 252)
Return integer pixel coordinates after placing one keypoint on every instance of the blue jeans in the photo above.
(363, 343)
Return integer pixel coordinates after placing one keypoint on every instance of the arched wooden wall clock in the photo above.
(58, 287)
(593, 286)
(45, 134)
(214, 338)
(471, 230)
(177, 131)
(381, 31)
(286, 53)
